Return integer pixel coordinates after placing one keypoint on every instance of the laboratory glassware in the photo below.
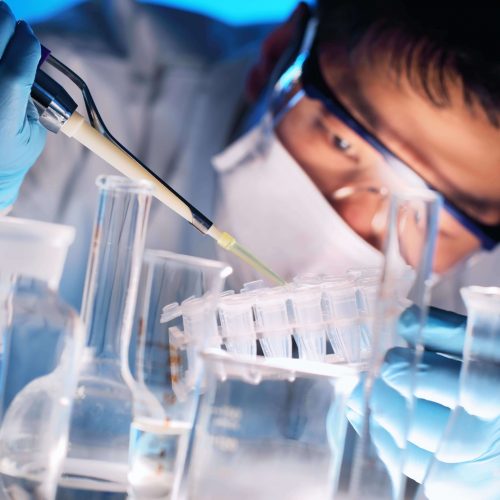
(41, 339)
(34, 248)
(97, 460)
(237, 324)
(472, 429)
(310, 332)
(57, 111)
(272, 323)
(409, 249)
(268, 429)
(43, 345)
(312, 309)
(175, 316)
(342, 315)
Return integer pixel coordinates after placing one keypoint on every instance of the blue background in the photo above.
(230, 11)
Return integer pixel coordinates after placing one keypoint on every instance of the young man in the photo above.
(392, 92)
(419, 82)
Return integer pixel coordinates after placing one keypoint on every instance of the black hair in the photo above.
(431, 43)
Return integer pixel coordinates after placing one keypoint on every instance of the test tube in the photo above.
(477, 413)
(200, 331)
(308, 279)
(237, 324)
(365, 272)
(310, 330)
(200, 322)
(275, 331)
(411, 235)
(366, 299)
(253, 286)
(341, 314)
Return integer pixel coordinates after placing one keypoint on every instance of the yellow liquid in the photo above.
(77, 128)
(229, 243)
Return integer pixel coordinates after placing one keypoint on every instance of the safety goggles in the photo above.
(315, 87)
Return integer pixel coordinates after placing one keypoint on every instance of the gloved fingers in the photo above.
(437, 376)
(416, 460)
(389, 411)
(479, 479)
(30, 135)
(7, 26)
(34, 133)
(469, 438)
(32, 113)
(20, 59)
(443, 331)
(17, 73)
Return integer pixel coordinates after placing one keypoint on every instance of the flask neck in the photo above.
(480, 373)
(114, 264)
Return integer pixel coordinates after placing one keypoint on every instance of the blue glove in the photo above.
(22, 137)
(471, 471)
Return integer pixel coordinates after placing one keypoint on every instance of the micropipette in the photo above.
(57, 111)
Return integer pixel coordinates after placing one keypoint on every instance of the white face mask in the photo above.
(268, 203)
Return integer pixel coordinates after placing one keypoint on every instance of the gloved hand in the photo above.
(22, 137)
(470, 470)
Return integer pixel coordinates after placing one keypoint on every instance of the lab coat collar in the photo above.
(119, 18)
(154, 35)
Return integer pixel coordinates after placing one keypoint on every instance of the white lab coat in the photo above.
(169, 86)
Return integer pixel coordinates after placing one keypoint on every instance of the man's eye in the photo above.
(340, 143)
(335, 139)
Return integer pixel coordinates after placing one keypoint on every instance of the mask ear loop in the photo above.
(286, 92)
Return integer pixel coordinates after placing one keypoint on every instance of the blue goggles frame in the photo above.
(315, 87)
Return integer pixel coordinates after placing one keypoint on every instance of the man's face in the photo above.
(453, 147)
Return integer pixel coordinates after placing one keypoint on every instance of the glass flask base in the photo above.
(21, 488)
(91, 480)
(296, 473)
(157, 448)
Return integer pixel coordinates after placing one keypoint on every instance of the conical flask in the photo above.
(41, 344)
(96, 463)
(467, 461)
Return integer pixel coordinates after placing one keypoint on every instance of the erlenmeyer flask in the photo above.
(96, 463)
(42, 339)
(175, 316)
(467, 462)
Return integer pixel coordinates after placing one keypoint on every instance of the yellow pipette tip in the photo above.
(228, 242)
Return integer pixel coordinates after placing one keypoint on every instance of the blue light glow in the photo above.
(229, 11)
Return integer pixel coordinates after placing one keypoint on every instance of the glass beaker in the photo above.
(42, 339)
(97, 460)
(175, 317)
(34, 249)
(268, 429)
(467, 462)
(409, 249)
